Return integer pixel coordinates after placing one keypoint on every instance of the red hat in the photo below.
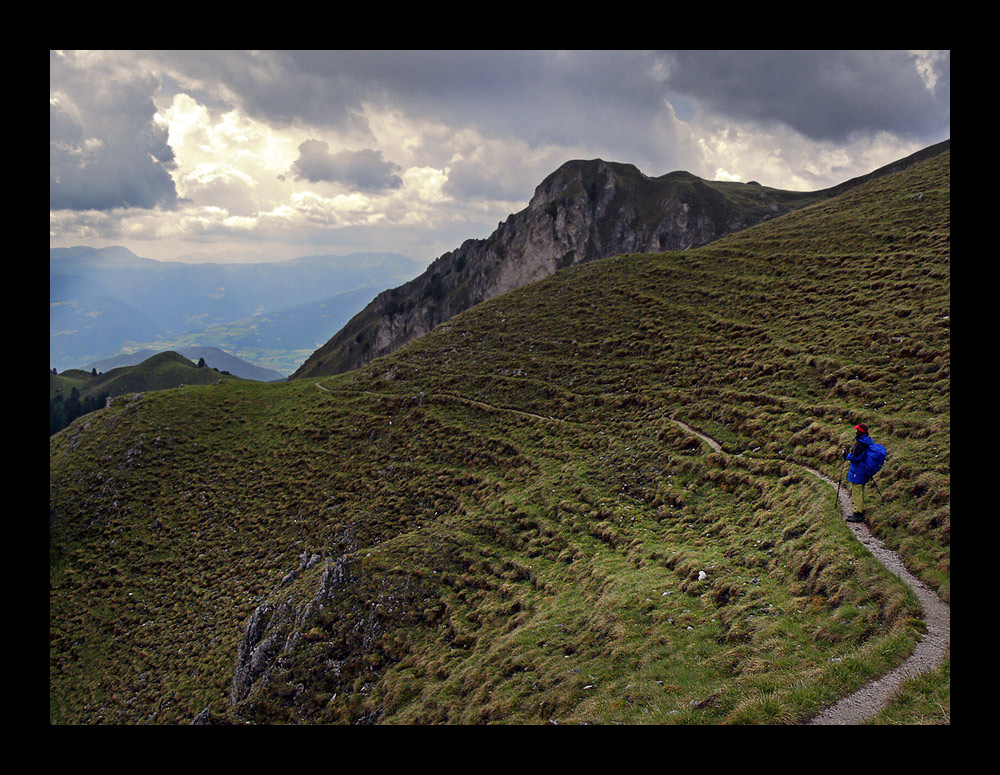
(861, 427)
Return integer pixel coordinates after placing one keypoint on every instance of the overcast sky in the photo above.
(278, 154)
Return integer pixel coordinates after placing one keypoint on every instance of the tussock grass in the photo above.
(924, 700)
(523, 533)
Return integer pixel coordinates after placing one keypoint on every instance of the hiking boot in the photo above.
(857, 516)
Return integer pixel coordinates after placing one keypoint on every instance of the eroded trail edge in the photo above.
(929, 653)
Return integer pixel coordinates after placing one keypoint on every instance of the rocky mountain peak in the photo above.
(584, 210)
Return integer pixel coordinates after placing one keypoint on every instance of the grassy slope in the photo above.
(65, 382)
(523, 542)
(158, 372)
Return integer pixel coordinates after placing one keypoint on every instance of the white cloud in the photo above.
(781, 158)
(425, 184)
(184, 116)
(927, 63)
(340, 210)
(726, 176)
(231, 150)
(239, 176)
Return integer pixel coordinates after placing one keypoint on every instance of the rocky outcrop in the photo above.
(329, 626)
(274, 626)
(583, 211)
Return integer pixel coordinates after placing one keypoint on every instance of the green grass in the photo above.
(520, 524)
(924, 700)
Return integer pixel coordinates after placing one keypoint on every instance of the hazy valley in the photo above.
(108, 302)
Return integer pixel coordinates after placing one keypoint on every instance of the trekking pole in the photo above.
(839, 481)
(877, 489)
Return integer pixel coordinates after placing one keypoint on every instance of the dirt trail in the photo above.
(462, 400)
(930, 651)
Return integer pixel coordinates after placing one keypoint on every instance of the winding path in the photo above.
(930, 651)
(462, 400)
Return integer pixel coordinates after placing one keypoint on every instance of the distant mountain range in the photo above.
(108, 301)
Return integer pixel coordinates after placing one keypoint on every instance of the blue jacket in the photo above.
(855, 474)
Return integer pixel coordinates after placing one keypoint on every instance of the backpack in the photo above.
(873, 460)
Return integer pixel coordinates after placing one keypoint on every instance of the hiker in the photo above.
(856, 474)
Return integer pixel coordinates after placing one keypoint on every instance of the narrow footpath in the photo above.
(930, 651)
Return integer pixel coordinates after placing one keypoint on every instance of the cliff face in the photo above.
(582, 211)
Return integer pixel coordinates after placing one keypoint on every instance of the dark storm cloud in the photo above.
(535, 92)
(615, 100)
(363, 170)
(538, 96)
(281, 88)
(472, 180)
(824, 95)
(105, 149)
